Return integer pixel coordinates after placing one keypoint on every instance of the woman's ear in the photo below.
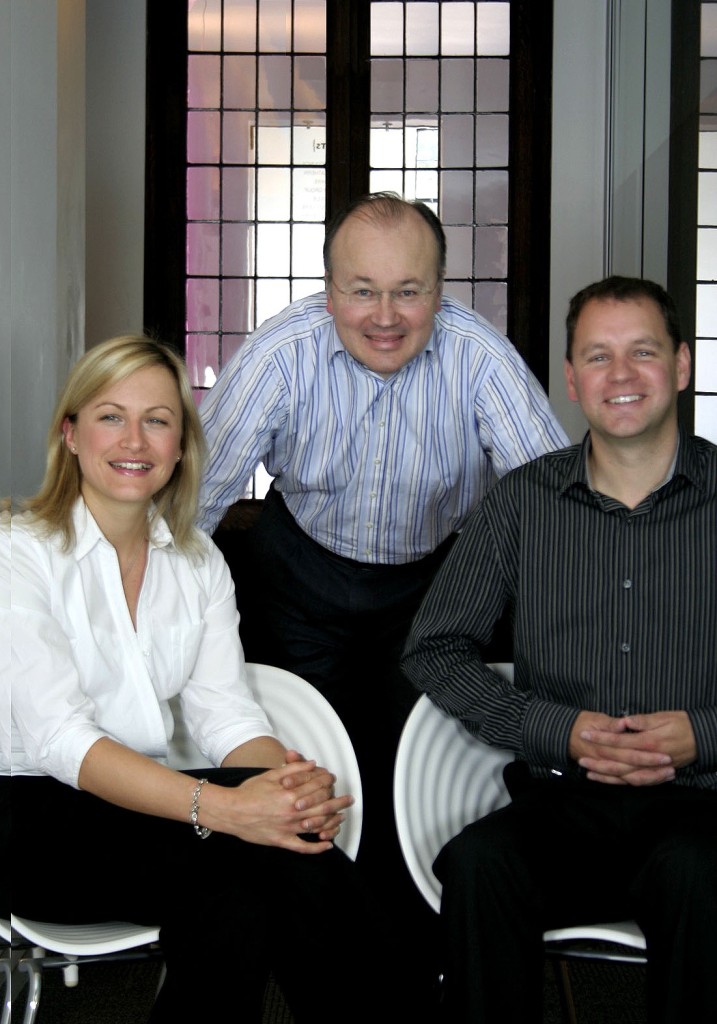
(68, 431)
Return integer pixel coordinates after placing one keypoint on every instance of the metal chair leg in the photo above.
(565, 990)
(6, 971)
(34, 988)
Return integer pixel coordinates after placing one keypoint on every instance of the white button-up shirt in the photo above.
(80, 671)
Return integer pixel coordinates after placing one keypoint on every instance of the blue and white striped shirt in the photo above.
(377, 470)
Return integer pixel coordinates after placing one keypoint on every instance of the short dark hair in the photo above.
(623, 289)
(386, 206)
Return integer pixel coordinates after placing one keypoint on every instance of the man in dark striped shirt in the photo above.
(605, 556)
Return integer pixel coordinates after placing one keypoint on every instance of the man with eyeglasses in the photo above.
(383, 410)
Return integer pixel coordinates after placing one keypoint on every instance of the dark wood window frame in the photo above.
(348, 122)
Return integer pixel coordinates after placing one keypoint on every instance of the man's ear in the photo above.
(569, 371)
(683, 359)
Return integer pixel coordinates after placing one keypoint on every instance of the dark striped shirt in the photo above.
(613, 609)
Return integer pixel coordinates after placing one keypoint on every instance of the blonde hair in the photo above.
(100, 368)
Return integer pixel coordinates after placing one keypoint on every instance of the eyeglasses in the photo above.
(404, 298)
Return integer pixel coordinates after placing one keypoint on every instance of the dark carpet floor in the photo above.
(604, 993)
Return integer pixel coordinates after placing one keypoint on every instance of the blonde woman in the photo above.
(118, 604)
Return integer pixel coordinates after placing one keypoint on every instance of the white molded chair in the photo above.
(303, 719)
(445, 778)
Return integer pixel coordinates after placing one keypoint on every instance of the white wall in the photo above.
(609, 206)
(73, 77)
(5, 317)
(116, 35)
(46, 185)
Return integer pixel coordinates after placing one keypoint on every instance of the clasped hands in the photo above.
(275, 807)
(638, 750)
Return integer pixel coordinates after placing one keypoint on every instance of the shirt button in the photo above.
(369, 526)
(627, 584)
(377, 462)
(372, 495)
(625, 648)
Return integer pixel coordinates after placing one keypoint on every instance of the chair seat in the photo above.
(85, 939)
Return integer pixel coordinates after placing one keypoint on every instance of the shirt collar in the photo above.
(685, 464)
(88, 534)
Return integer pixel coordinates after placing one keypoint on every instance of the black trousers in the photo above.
(229, 911)
(342, 625)
(566, 853)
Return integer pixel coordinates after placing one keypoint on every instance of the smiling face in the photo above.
(625, 372)
(128, 439)
(385, 256)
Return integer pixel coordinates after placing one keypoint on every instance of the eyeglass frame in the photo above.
(378, 293)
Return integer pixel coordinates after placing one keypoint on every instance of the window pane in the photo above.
(239, 25)
(457, 29)
(202, 138)
(706, 313)
(273, 143)
(421, 85)
(307, 250)
(706, 417)
(203, 249)
(708, 148)
(457, 85)
(386, 85)
(237, 306)
(310, 83)
(240, 82)
(492, 87)
(707, 255)
(203, 193)
(272, 250)
(238, 249)
(491, 197)
(203, 360)
(309, 137)
(491, 140)
(309, 194)
(202, 304)
(386, 143)
(460, 252)
(238, 193)
(238, 137)
(493, 29)
(457, 197)
(310, 26)
(275, 83)
(275, 26)
(708, 30)
(203, 82)
(386, 29)
(274, 193)
(271, 298)
(457, 140)
(491, 254)
(204, 24)
(422, 28)
(491, 301)
(705, 364)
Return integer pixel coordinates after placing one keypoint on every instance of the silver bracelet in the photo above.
(201, 831)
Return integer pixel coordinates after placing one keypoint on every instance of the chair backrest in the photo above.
(444, 778)
(303, 720)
